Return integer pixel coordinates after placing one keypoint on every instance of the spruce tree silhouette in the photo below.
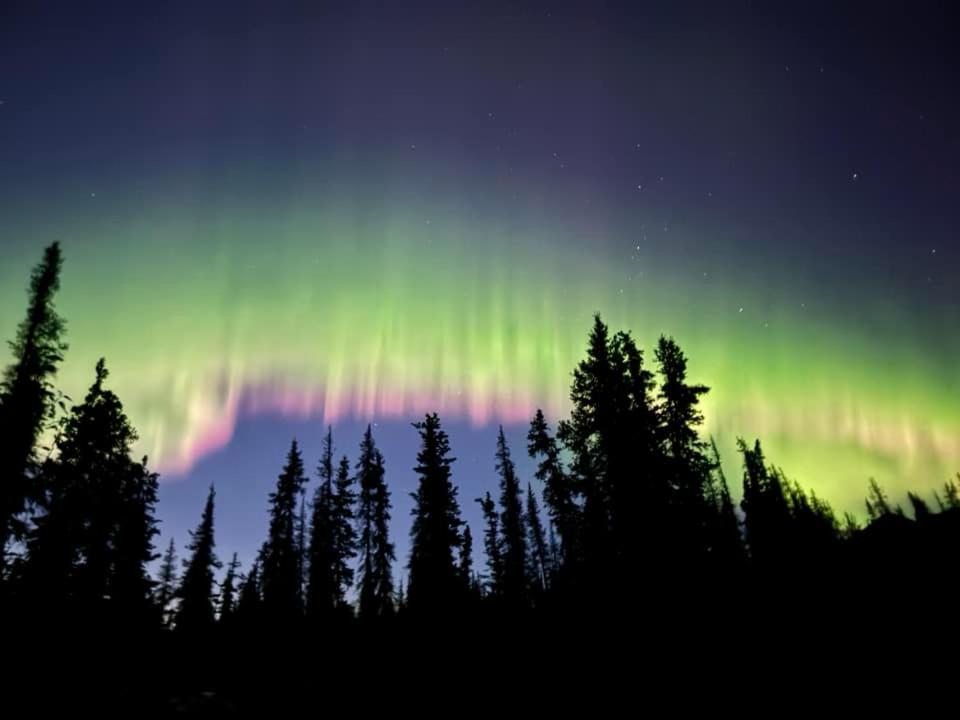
(250, 599)
(322, 590)
(921, 511)
(951, 494)
(558, 491)
(723, 532)
(491, 545)
(513, 541)
(611, 438)
(764, 505)
(28, 400)
(167, 583)
(686, 466)
(228, 593)
(850, 526)
(586, 436)
(373, 518)
(301, 549)
(793, 537)
(344, 520)
(435, 534)
(195, 614)
(538, 571)
(93, 537)
(465, 563)
(638, 484)
(130, 586)
(876, 501)
(280, 568)
(814, 527)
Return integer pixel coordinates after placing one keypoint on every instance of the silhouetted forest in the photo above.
(629, 521)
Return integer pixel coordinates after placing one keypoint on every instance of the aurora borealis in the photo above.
(366, 215)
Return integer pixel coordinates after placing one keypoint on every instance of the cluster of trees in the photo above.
(636, 510)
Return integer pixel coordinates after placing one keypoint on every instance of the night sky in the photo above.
(278, 218)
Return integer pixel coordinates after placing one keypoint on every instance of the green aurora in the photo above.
(330, 300)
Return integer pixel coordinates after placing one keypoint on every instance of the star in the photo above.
(856, 176)
(639, 187)
(740, 310)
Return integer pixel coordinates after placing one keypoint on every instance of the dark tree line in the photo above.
(628, 508)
